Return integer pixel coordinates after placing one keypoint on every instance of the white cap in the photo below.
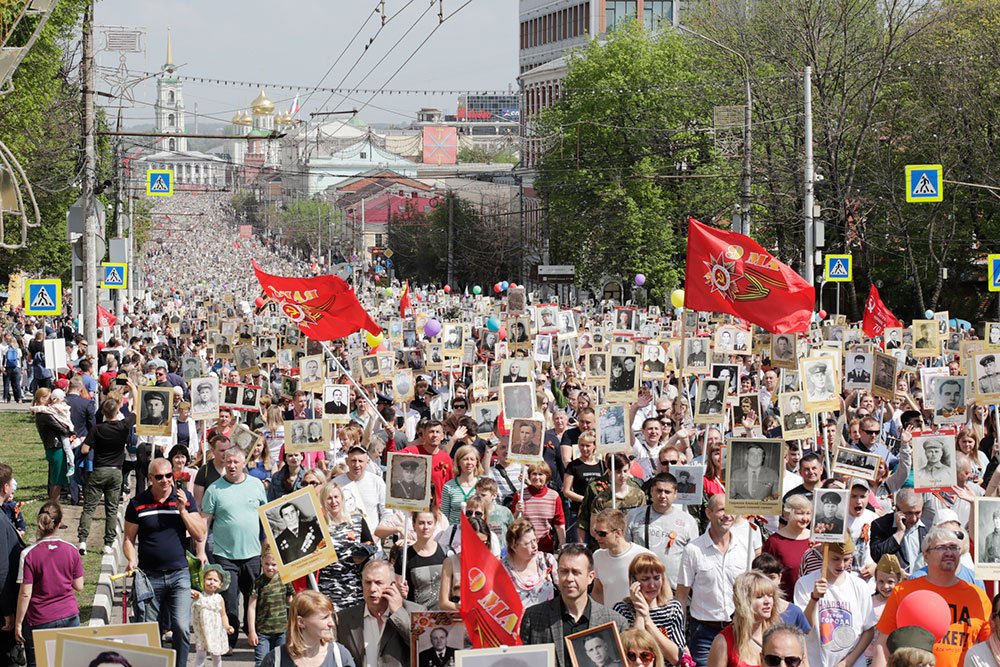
(944, 516)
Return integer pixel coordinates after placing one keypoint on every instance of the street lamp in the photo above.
(747, 112)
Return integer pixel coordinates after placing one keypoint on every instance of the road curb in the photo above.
(104, 595)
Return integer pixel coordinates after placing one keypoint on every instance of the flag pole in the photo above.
(364, 394)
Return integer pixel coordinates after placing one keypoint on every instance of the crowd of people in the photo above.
(704, 497)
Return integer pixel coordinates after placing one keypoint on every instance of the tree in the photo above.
(624, 162)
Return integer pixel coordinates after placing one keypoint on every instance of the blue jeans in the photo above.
(29, 645)
(266, 643)
(242, 573)
(172, 596)
(701, 640)
(12, 384)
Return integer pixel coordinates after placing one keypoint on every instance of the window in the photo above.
(657, 12)
(378, 240)
(616, 11)
(172, 145)
(586, 17)
(170, 97)
(170, 120)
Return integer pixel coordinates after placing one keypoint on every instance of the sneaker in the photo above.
(108, 550)
(82, 547)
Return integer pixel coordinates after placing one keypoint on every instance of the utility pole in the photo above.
(451, 237)
(87, 311)
(808, 267)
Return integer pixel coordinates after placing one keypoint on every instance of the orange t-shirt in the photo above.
(970, 614)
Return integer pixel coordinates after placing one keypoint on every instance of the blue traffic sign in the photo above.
(160, 182)
(838, 268)
(114, 275)
(43, 297)
(993, 279)
(924, 183)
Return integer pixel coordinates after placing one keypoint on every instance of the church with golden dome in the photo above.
(254, 146)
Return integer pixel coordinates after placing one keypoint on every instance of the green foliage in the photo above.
(484, 155)
(306, 224)
(620, 151)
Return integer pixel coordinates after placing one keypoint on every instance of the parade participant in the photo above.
(612, 560)
(467, 469)
(214, 468)
(289, 478)
(542, 507)
(267, 613)
(363, 489)
(627, 494)
(641, 649)
(580, 472)
(209, 621)
(740, 644)
(341, 581)
(789, 544)
(789, 613)
(650, 606)
(377, 631)
(662, 527)
(429, 444)
(423, 562)
(531, 571)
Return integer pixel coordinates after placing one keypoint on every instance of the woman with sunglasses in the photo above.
(450, 590)
(739, 645)
(532, 571)
(581, 471)
(341, 581)
(651, 607)
(641, 649)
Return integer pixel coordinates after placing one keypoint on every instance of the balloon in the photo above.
(640, 279)
(447, 289)
(929, 314)
(496, 288)
(502, 333)
(493, 324)
(372, 340)
(925, 609)
(513, 286)
(380, 348)
(822, 314)
(432, 328)
(677, 298)
(259, 302)
(477, 290)
(388, 291)
(504, 285)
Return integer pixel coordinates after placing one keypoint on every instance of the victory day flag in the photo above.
(324, 307)
(877, 315)
(404, 300)
(490, 606)
(105, 318)
(731, 273)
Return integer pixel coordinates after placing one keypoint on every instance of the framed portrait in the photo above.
(297, 532)
(941, 319)
(515, 300)
(518, 400)
(286, 359)
(515, 370)
(993, 335)
(435, 638)
(311, 370)
(654, 361)
(337, 403)
(156, 411)
(371, 372)
(599, 646)
(409, 337)
(289, 385)
(934, 465)
(986, 514)
(746, 414)
(710, 401)
(547, 320)
(138, 634)
(452, 338)
(485, 413)
(820, 385)
(597, 369)
(533, 655)
(244, 438)
(987, 379)
(783, 352)
(249, 398)
(856, 463)
(725, 339)
(730, 373)
(519, 331)
(926, 339)
(204, 397)
(567, 348)
(480, 380)
(948, 396)
(858, 371)
(387, 361)
(789, 380)
(402, 386)
(77, 651)
(526, 440)
(892, 338)
(247, 360)
(190, 367)
(623, 381)
(754, 472)
(830, 515)
(695, 356)
(762, 344)
(884, 375)
(690, 320)
(307, 435)
(621, 348)
(690, 483)
(543, 347)
(408, 482)
(612, 434)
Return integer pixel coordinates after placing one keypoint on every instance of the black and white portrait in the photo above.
(934, 465)
(756, 469)
(783, 350)
(729, 373)
(884, 375)
(623, 377)
(485, 414)
(654, 364)
(858, 371)
(155, 411)
(515, 370)
(625, 321)
(190, 367)
(402, 386)
(547, 319)
(296, 529)
(246, 359)
(205, 397)
(249, 397)
(311, 372)
(819, 382)
(925, 338)
(337, 400)
(518, 400)
(710, 401)
(526, 440)
(796, 423)
(515, 301)
(856, 463)
(987, 375)
(408, 482)
(690, 481)
(987, 533)
(596, 647)
(543, 347)
(695, 355)
(370, 370)
(452, 337)
(613, 436)
(789, 380)
(993, 334)
(830, 514)
(948, 398)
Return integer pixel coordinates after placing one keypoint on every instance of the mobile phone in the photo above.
(399, 422)
(121, 380)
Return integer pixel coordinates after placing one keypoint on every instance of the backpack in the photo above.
(11, 357)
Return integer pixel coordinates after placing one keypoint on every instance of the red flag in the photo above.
(731, 273)
(490, 605)
(404, 300)
(324, 307)
(105, 318)
(877, 315)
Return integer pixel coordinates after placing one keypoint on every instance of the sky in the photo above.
(295, 42)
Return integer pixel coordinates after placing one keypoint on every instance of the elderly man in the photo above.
(783, 645)
(376, 632)
(901, 532)
(159, 520)
(971, 608)
(230, 510)
(363, 490)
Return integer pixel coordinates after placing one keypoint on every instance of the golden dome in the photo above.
(284, 119)
(262, 106)
(242, 118)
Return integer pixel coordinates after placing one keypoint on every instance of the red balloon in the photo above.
(822, 314)
(259, 302)
(502, 333)
(512, 285)
(925, 609)
(447, 289)
(496, 288)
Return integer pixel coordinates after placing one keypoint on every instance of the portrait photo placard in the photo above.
(408, 482)
(858, 371)
(402, 386)
(534, 655)
(623, 381)
(526, 440)
(710, 401)
(884, 376)
(926, 339)
(597, 369)
(602, 642)
(485, 413)
(156, 411)
(138, 634)
(830, 515)
(856, 463)
(949, 396)
(987, 373)
(204, 398)
(818, 376)
(690, 483)
(517, 400)
(612, 436)
(987, 533)
(435, 637)
(307, 435)
(297, 532)
(371, 372)
(754, 470)
(783, 353)
(311, 370)
(934, 465)
(694, 352)
(78, 651)
(337, 403)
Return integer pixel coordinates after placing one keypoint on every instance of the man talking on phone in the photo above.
(160, 518)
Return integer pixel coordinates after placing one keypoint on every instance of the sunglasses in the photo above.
(663, 412)
(870, 432)
(313, 483)
(472, 513)
(159, 478)
(776, 660)
(641, 656)
(603, 533)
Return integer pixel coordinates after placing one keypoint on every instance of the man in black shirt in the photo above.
(108, 440)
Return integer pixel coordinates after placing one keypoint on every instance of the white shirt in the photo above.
(676, 522)
(372, 637)
(613, 571)
(646, 456)
(710, 574)
(843, 614)
(367, 495)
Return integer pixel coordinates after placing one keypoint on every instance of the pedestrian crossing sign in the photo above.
(114, 275)
(43, 297)
(839, 268)
(993, 273)
(924, 183)
(160, 182)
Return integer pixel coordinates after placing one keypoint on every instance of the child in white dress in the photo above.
(210, 624)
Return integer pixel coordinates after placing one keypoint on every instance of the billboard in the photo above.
(440, 145)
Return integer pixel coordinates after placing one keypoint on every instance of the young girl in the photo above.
(498, 517)
(888, 573)
(59, 409)
(208, 615)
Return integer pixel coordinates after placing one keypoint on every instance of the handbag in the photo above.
(16, 655)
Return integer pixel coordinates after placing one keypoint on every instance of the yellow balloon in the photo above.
(374, 341)
(677, 298)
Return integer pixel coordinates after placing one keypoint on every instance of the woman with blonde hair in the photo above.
(274, 432)
(311, 637)
(739, 645)
(641, 649)
(349, 534)
(467, 467)
(791, 541)
(651, 606)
